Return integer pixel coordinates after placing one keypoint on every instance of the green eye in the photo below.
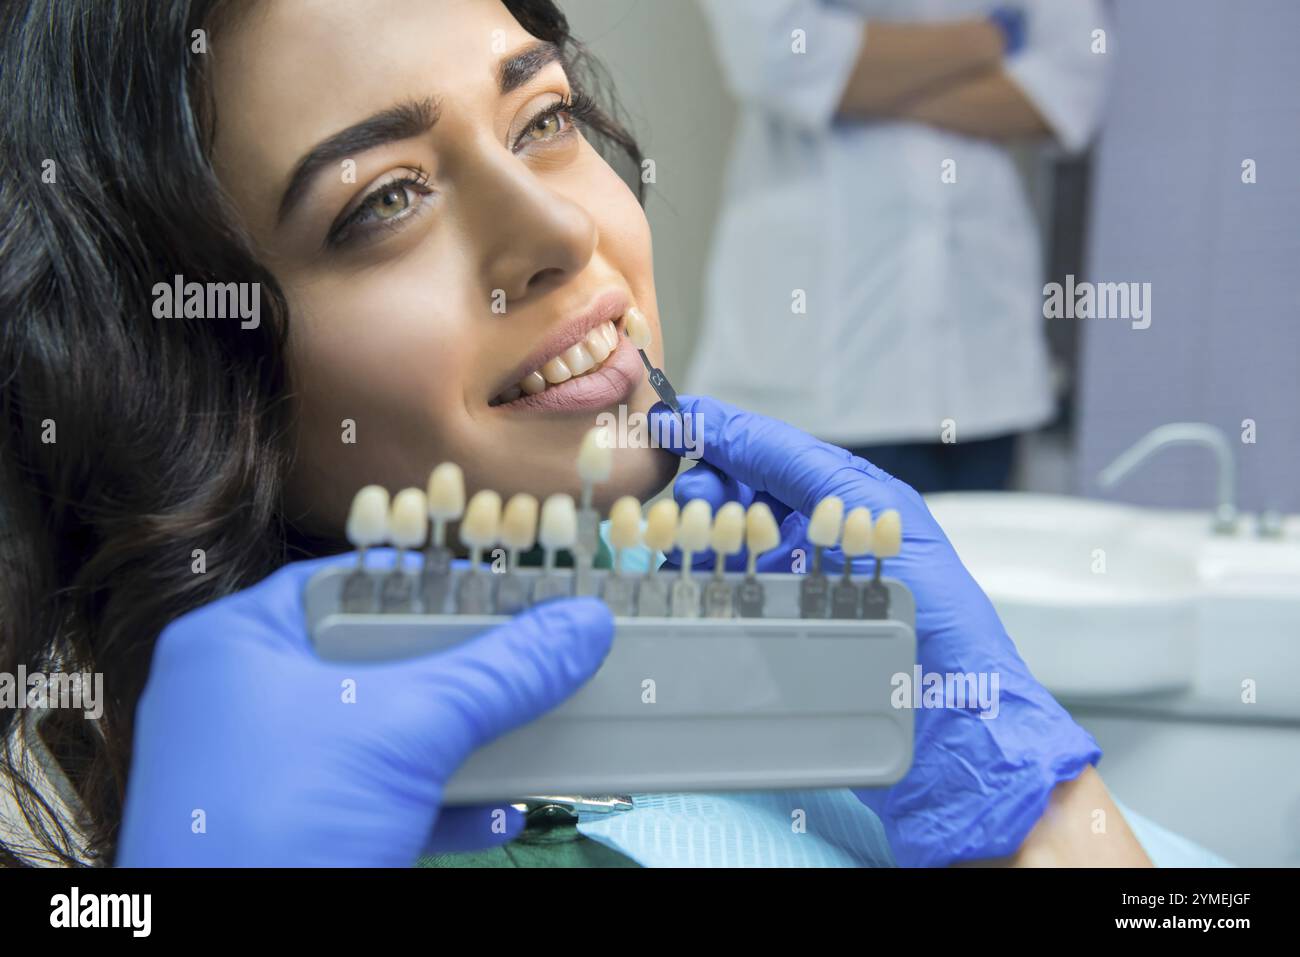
(389, 202)
(546, 127)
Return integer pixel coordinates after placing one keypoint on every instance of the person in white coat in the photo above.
(875, 276)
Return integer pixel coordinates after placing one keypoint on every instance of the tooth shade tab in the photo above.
(761, 531)
(446, 493)
(559, 523)
(596, 456)
(887, 536)
(482, 522)
(728, 529)
(625, 523)
(661, 525)
(519, 522)
(408, 519)
(368, 519)
(694, 530)
(638, 328)
(857, 533)
(827, 517)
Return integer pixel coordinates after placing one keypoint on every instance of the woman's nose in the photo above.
(532, 236)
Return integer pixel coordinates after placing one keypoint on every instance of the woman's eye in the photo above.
(387, 206)
(551, 124)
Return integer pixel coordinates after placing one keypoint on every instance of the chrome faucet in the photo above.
(1185, 433)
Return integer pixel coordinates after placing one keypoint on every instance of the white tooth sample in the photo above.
(533, 383)
(824, 525)
(596, 456)
(559, 523)
(694, 530)
(597, 345)
(661, 525)
(408, 519)
(556, 371)
(482, 522)
(761, 531)
(446, 492)
(728, 529)
(610, 332)
(638, 328)
(857, 533)
(625, 523)
(368, 519)
(519, 522)
(887, 536)
(578, 359)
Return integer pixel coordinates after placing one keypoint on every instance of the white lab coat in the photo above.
(923, 299)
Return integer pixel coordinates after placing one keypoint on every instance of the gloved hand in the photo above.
(977, 785)
(242, 722)
(1010, 22)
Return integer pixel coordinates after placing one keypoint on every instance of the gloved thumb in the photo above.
(521, 669)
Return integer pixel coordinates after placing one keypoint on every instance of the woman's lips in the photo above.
(612, 383)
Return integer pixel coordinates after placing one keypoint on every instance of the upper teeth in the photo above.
(578, 359)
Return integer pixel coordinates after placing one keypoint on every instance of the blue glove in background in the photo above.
(1010, 22)
(240, 720)
(977, 786)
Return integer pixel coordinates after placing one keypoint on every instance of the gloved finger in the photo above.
(770, 456)
(518, 671)
(474, 828)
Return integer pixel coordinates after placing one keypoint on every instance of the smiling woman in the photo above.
(445, 259)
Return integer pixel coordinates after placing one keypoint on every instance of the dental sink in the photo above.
(1097, 599)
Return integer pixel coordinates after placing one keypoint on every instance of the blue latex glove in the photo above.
(1010, 22)
(976, 786)
(242, 721)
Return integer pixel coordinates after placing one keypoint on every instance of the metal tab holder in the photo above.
(680, 704)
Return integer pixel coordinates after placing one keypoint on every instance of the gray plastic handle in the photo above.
(680, 704)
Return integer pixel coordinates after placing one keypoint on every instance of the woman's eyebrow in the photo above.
(402, 121)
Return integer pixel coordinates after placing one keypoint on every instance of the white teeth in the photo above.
(597, 346)
(578, 359)
(368, 519)
(533, 383)
(556, 371)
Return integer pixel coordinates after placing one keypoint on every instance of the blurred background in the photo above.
(1153, 585)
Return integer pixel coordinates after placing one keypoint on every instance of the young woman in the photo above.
(423, 232)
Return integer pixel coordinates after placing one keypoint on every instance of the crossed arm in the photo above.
(948, 75)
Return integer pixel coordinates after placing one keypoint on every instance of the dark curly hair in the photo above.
(129, 442)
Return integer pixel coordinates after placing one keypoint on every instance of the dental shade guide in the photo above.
(727, 539)
(557, 529)
(478, 531)
(886, 542)
(823, 532)
(846, 597)
(761, 535)
(446, 503)
(638, 330)
(624, 533)
(660, 535)
(693, 534)
(367, 527)
(518, 534)
(729, 670)
(595, 462)
(408, 521)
